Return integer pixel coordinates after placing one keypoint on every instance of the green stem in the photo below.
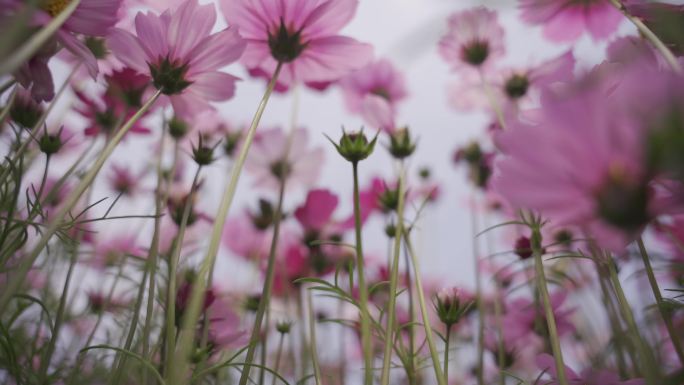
(394, 278)
(267, 289)
(446, 353)
(26, 51)
(548, 310)
(312, 332)
(500, 353)
(650, 36)
(478, 295)
(674, 336)
(279, 354)
(647, 361)
(186, 340)
(363, 289)
(18, 276)
(170, 338)
(424, 312)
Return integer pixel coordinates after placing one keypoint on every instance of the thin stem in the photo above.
(647, 360)
(478, 295)
(26, 51)
(394, 278)
(446, 353)
(363, 289)
(561, 376)
(170, 338)
(674, 336)
(424, 312)
(279, 354)
(650, 36)
(492, 101)
(158, 198)
(19, 274)
(312, 332)
(267, 289)
(500, 353)
(178, 372)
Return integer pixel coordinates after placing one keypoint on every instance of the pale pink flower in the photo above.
(474, 39)
(244, 239)
(566, 20)
(113, 249)
(181, 55)
(510, 89)
(274, 155)
(373, 92)
(301, 34)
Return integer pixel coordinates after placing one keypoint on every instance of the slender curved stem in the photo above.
(561, 376)
(478, 294)
(312, 332)
(186, 340)
(674, 336)
(170, 338)
(447, 339)
(363, 289)
(424, 312)
(279, 354)
(394, 278)
(650, 36)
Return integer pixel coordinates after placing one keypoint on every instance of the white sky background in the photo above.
(406, 32)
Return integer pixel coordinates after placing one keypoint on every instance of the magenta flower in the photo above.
(566, 20)
(181, 55)
(474, 39)
(270, 160)
(588, 376)
(301, 34)
(373, 92)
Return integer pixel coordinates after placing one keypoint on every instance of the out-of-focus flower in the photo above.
(566, 20)
(510, 89)
(181, 55)
(25, 111)
(243, 238)
(225, 331)
(520, 320)
(275, 156)
(123, 181)
(665, 20)
(113, 249)
(100, 302)
(301, 34)
(374, 92)
(92, 18)
(474, 39)
(591, 160)
(588, 376)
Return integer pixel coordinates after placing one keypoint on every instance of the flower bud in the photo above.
(401, 145)
(50, 144)
(283, 327)
(355, 147)
(177, 128)
(203, 155)
(451, 306)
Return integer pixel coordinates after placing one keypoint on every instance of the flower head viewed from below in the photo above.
(474, 39)
(303, 35)
(159, 225)
(181, 55)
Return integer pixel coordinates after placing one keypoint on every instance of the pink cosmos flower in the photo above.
(113, 249)
(225, 331)
(124, 182)
(474, 39)
(586, 163)
(92, 18)
(301, 34)
(244, 239)
(181, 55)
(373, 92)
(588, 376)
(511, 89)
(270, 159)
(566, 20)
(522, 312)
(316, 214)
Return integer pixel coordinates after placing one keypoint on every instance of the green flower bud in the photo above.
(401, 145)
(354, 147)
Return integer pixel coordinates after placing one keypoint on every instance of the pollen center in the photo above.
(54, 7)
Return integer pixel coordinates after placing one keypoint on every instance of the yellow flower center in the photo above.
(54, 7)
